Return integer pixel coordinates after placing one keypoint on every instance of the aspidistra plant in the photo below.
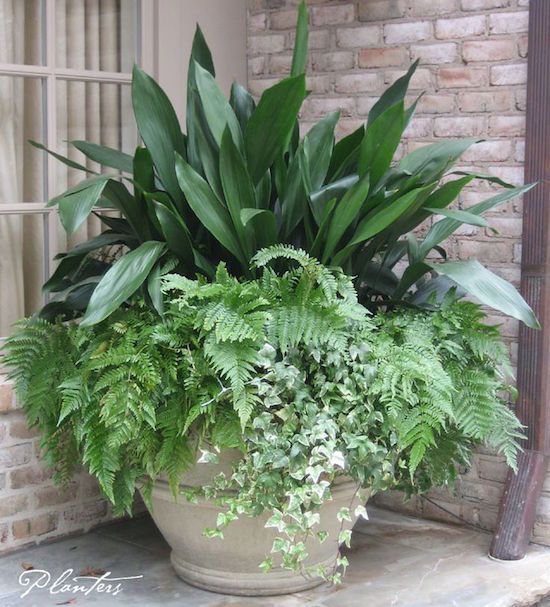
(241, 178)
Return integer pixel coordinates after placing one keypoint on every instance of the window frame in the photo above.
(49, 75)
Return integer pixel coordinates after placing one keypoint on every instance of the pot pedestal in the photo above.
(230, 565)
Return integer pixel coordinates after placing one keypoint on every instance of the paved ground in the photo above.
(396, 561)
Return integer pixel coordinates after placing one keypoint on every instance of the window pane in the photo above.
(21, 119)
(21, 33)
(21, 267)
(97, 112)
(97, 34)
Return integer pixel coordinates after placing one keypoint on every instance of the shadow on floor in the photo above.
(395, 561)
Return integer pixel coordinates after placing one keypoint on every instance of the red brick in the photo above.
(481, 5)
(317, 108)
(364, 104)
(494, 101)
(272, 43)
(16, 455)
(511, 174)
(332, 15)
(461, 27)
(422, 8)
(507, 227)
(318, 84)
(519, 154)
(508, 23)
(444, 52)
(13, 504)
(358, 36)
(377, 10)
(32, 527)
(422, 78)
(462, 77)
(505, 75)
(419, 127)
(7, 401)
(523, 44)
(257, 23)
(19, 428)
(400, 33)
(491, 251)
(257, 87)
(357, 83)
(489, 50)
(437, 104)
(256, 65)
(84, 514)
(333, 61)
(383, 57)
(507, 126)
(283, 20)
(489, 151)
(52, 496)
(459, 127)
(280, 64)
(29, 475)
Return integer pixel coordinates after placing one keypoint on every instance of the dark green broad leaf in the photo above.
(346, 155)
(105, 156)
(411, 274)
(264, 225)
(176, 233)
(380, 142)
(200, 53)
(394, 94)
(380, 218)
(208, 208)
(462, 216)
(384, 215)
(219, 114)
(159, 128)
(105, 239)
(238, 188)
(131, 208)
(123, 279)
(324, 222)
(299, 56)
(67, 161)
(488, 288)
(270, 127)
(429, 163)
(76, 204)
(345, 213)
(242, 103)
(318, 145)
(441, 230)
(336, 189)
(154, 290)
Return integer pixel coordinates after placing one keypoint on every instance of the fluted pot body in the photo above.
(230, 565)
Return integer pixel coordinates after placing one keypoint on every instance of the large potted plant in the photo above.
(196, 349)
(257, 416)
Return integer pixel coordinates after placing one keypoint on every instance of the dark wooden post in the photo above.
(519, 502)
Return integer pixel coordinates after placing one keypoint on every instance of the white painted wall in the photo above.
(224, 25)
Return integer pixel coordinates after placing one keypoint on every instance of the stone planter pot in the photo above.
(230, 565)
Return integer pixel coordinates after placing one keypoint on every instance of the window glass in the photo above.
(96, 34)
(21, 35)
(21, 118)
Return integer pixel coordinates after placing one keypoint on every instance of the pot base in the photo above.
(276, 582)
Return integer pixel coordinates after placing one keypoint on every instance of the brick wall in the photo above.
(32, 509)
(473, 69)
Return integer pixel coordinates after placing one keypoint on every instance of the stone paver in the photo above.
(395, 561)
